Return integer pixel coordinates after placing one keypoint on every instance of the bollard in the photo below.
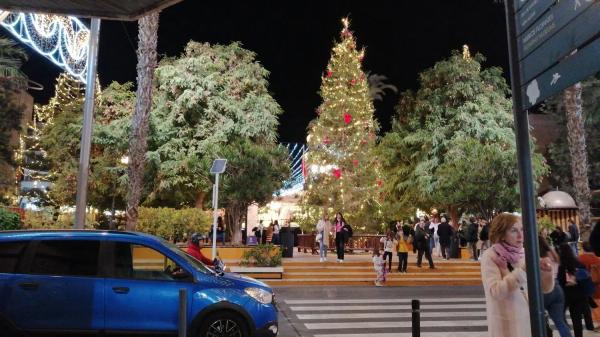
(416, 318)
(182, 312)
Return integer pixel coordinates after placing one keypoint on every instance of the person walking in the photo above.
(554, 298)
(402, 241)
(422, 238)
(504, 279)
(388, 248)
(484, 235)
(576, 298)
(323, 230)
(444, 233)
(472, 237)
(341, 235)
(434, 242)
(592, 265)
(573, 236)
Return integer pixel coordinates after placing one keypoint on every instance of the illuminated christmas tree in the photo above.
(341, 164)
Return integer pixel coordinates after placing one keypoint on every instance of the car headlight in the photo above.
(261, 295)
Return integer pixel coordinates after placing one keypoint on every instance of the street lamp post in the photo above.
(217, 168)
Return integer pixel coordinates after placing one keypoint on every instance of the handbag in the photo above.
(319, 237)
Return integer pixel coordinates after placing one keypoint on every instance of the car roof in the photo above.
(73, 233)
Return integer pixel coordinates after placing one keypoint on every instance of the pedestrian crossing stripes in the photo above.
(389, 317)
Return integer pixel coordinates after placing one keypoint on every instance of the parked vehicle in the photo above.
(115, 283)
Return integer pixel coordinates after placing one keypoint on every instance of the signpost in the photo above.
(217, 168)
(552, 45)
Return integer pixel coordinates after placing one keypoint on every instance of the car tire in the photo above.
(8, 330)
(223, 324)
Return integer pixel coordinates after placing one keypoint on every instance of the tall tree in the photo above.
(12, 80)
(343, 170)
(146, 55)
(452, 143)
(208, 96)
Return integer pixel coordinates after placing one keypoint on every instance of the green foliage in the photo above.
(266, 255)
(545, 223)
(205, 98)
(452, 143)
(12, 58)
(343, 169)
(173, 224)
(559, 156)
(9, 220)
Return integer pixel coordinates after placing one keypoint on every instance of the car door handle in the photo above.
(29, 285)
(121, 290)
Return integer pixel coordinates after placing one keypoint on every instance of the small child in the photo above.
(379, 265)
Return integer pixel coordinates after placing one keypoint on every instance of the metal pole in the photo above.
(536, 310)
(182, 312)
(86, 132)
(215, 214)
(416, 318)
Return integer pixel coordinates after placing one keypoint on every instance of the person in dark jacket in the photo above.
(444, 232)
(573, 236)
(471, 235)
(558, 236)
(422, 237)
(575, 298)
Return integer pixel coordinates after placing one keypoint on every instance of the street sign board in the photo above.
(218, 166)
(575, 34)
(573, 69)
(531, 12)
(548, 24)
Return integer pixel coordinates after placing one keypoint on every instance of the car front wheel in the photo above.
(224, 324)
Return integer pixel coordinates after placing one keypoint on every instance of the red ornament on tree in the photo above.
(337, 173)
(379, 182)
(347, 118)
(326, 141)
(355, 162)
(353, 81)
(329, 73)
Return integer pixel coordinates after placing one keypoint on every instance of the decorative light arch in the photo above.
(295, 183)
(61, 39)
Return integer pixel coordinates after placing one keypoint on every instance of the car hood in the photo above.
(245, 281)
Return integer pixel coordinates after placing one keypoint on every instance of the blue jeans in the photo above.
(323, 249)
(554, 303)
(574, 247)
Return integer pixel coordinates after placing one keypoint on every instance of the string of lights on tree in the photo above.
(61, 39)
(341, 162)
(295, 183)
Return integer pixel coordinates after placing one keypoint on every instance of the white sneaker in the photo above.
(341, 261)
(325, 259)
(321, 260)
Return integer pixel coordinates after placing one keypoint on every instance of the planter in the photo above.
(259, 272)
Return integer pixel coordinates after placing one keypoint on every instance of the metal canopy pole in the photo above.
(532, 255)
(215, 215)
(86, 132)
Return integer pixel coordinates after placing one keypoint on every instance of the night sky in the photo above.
(293, 41)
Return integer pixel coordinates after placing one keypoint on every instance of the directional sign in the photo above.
(548, 24)
(573, 69)
(572, 36)
(531, 12)
(519, 4)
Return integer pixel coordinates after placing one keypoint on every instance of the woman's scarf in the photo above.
(509, 254)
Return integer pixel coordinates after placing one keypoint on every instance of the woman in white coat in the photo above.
(323, 229)
(505, 280)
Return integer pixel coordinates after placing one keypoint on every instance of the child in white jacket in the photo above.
(379, 265)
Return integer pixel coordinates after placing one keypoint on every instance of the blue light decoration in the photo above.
(61, 39)
(295, 183)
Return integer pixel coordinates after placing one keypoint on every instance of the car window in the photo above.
(197, 265)
(66, 257)
(144, 263)
(10, 255)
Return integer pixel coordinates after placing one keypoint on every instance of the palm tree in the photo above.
(146, 54)
(378, 86)
(577, 149)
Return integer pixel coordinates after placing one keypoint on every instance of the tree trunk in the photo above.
(578, 152)
(234, 216)
(146, 54)
(200, 200)
(453, 215)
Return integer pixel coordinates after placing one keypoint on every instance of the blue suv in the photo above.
(120, 283)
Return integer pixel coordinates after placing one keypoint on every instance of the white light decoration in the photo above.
(295, 183)
(61, 39)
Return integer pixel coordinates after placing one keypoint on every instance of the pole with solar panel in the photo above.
(217, 168)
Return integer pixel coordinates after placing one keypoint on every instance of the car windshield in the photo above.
(199, 266)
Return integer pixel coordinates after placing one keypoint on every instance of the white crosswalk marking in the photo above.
(390, 317)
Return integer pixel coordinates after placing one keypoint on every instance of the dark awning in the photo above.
(104, 9)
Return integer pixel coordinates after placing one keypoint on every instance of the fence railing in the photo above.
(364, 242)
